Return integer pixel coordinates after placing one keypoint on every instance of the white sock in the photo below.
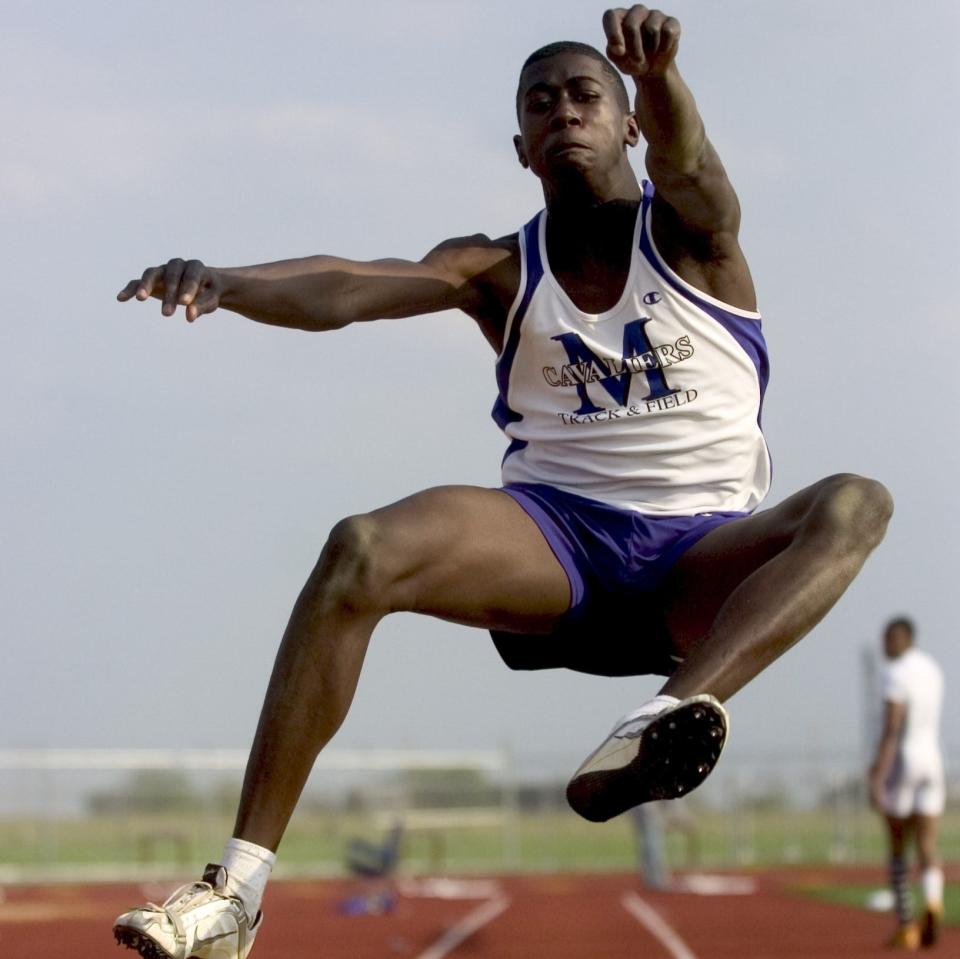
(248, 869)
(931, 882)
(649, 708)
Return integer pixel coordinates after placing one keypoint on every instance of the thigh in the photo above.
(927, 828)
(899, 829)
(470, 555)
(707, 573)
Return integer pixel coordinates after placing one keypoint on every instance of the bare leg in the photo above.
(898, 832)
(927, 854)
(461, 553)
(733, 603)
(931, 878)
(750, 589)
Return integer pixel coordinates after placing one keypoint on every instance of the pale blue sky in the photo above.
(165, 489)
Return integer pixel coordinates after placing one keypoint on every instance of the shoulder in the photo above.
(711, 260)
(913, 670)
(902, 665)
(922, 654)
(487, 273)
(894, 676)
(471, 257)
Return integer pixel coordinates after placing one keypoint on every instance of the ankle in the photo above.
(651, 707)
(248, 868)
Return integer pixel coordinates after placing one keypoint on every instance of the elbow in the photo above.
(674, 165)
(327, 318)
(302, 316)
(318, 298)
(312, 314)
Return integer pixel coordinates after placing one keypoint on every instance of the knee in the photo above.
(349, 573)
(853, 511)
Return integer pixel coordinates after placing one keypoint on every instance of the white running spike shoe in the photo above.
(200, 920)
(663, 755)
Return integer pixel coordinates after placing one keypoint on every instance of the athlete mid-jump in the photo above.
(631, 372)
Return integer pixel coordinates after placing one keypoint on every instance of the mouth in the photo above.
(565, 147)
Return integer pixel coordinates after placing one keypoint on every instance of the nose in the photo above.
(565, 114)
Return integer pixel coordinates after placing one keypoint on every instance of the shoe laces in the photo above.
(174, 904)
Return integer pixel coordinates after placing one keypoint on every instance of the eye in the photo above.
(539, 104)
(586, 96)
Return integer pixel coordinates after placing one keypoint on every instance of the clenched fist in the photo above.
(640, 42)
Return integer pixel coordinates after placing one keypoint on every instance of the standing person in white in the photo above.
(907, 783)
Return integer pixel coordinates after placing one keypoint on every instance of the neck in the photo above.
(592, 237)
(579, 196)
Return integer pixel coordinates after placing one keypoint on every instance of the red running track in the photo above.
(533, 917)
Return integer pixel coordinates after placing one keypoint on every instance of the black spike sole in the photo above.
(133, 939)
(674, 755)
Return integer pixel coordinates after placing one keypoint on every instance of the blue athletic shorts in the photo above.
(615, 560)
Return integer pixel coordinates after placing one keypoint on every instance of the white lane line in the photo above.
(465, 928)
(654, 923)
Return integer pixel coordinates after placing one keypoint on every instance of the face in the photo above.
(896, 641)
(571, 119)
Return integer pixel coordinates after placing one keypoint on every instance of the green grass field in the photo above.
(553, 839)
(856, 895)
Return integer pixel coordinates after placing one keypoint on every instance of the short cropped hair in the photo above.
(902, 622)
(572, 46)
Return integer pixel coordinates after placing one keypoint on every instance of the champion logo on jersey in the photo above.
(652, 297)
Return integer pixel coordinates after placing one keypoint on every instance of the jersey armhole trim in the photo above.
(649, 249)
(521, 288)
(531, 273)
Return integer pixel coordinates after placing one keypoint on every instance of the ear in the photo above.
(521, 153)
(631, 133)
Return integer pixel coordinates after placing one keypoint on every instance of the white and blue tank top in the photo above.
(653, 405)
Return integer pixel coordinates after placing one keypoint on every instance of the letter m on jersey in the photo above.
(615, 377)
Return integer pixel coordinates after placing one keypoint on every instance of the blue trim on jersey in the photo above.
(745, 331)
(514, 447)
(502, 414)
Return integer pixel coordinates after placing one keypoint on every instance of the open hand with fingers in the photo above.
(641, 43)
(189, 283)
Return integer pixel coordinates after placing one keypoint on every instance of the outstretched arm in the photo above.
(326, 292)
(696, 214)
(680, 159)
